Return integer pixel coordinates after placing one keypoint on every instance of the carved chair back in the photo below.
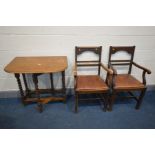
(87, 63)
(128, 49)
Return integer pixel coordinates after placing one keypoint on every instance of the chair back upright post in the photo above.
(129, 49)
(97, 50)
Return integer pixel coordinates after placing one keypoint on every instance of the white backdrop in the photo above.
(48, 41)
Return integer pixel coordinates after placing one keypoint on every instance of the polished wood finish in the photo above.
(126, 82)
(91, 84)
(38, 66)
(42, 64)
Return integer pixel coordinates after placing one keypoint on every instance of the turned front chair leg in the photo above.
(111, 101)
(35, 80)
(17, 76)
(105, 102)
(140, 99)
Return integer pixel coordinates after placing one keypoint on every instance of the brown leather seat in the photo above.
(91, 83)
(127, 81)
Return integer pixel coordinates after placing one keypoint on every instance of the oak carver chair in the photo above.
(91, 84)
(126, 82)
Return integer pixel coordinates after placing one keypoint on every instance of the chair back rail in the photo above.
(97, 50)
(115, 49)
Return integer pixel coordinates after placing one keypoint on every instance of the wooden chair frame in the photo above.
(98, 51)
(111, 63)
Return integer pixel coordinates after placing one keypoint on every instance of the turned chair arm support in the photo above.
(114, 74)
(110, 71)
(145, 70)
(113, 69)
(75, 70)
(109, 77)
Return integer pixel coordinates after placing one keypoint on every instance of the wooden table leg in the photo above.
(17, 76)
(52, 85)
(63, 85)
(26, 86)
(35, 80)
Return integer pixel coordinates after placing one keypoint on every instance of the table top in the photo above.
(35, 64)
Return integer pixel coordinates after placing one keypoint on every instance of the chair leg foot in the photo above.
(40, 108)
(137, 108)
(141, 96)
(109, 109)
(76, 110)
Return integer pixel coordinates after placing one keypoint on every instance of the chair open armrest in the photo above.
(114, 74)
(141, 67)
(145, 70)
(75, 70)
(109, 77)
(110, 71)
(113, 69)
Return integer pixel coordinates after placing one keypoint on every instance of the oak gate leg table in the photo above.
(35, 66)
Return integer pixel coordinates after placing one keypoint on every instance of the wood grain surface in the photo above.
(41, 64)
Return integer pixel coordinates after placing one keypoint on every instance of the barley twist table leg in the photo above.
(63, 85)
(17, 76)
(35, 80)
(25, 83)
(52, 85)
